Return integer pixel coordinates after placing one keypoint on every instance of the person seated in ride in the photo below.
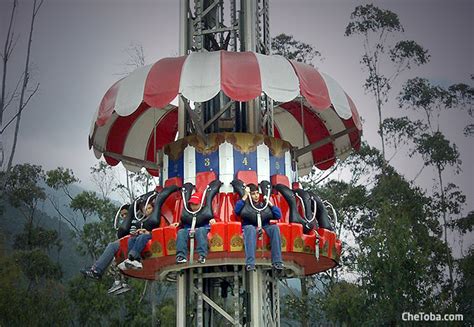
(140, 236)
(202, 227)
(250, 226)
(101, 265)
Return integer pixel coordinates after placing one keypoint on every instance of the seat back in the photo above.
(174, 181)
(247, 176)
(280, 179)
(203, 179)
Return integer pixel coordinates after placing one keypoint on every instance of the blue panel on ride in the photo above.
(207, 162)
(245, 161)
(277, 165)
(176, 167)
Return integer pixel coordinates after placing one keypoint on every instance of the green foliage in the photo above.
(402, 258)
(36, 238)
(375, 25)
(95, 237)
(464, 224)
(92, 305)
(465, 288)
(22, 185)
(402, 130)
(437, 151)
(37, 266)
(345, 303)
(407, 51)
(302, 308)
(369, 18)
(463, 98)
(60, 178)
(45, 304)
(166, 316)
(286, 46)
(88, 203)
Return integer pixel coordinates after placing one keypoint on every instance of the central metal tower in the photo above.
(212, 25)
(222, 289)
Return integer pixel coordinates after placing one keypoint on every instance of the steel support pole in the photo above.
(181, 299)
(183, 50)
(255, 290)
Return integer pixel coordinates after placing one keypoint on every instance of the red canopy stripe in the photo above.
(119, 130)
(312, 85)
(240, 75)
(107, 104)
(166, 129)
(315, 130)
(162, 83)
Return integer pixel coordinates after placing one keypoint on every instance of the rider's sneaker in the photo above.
(250, 267)
(91, 273)
(278, 266)
(133, 264)
(115, 286)
(125, 288)
(181, 260)
(202, 259)
(130, 264)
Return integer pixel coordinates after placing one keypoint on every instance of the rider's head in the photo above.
(124, 211)
(254, 193)
(195, 201)
(148, 209)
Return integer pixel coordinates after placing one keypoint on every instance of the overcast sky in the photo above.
(78, 50)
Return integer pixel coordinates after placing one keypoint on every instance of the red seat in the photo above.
(296, 185)
(234, 237)
(174, 181)
(280, 179)
(247, 176)
(232, 199)
(217, 237)
(203, 179)
(170, 234)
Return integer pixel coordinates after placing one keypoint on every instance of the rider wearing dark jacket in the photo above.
(250, 208)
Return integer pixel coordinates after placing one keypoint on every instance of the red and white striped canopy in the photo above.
(136, 118)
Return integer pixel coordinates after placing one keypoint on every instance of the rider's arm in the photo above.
(276, 212)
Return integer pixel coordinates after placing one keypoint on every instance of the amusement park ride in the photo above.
(241, 115)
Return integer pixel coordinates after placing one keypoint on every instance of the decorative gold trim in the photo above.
(156, 249)
(298, 244)
(236, 243)
(243, 142)
(277, 147)
(171, 247)
(217, 243)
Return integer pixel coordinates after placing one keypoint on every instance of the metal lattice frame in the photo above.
(254, 295)
(206, 25)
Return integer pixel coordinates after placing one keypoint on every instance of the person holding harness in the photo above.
(195, 223)
(256, 215)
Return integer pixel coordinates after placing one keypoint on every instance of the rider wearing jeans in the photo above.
(250, 231)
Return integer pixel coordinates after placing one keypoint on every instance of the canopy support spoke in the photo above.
(320, 143)
(217, 115)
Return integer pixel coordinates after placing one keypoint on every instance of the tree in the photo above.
(383, 62)
(463, 96)
(286, 46)
(25, 93)
(36, 283)
(418, 94)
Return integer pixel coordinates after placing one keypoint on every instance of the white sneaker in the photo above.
(133, 264)
(124, 288)
(115, 286)
(122, 265)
